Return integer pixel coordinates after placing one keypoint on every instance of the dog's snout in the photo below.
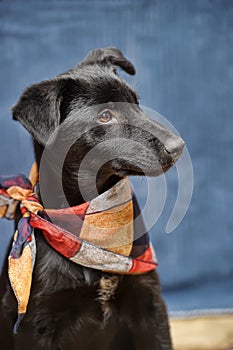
(175, 147)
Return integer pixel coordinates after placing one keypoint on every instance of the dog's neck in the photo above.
(76, 189)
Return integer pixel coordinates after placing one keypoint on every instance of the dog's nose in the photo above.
(175, 147)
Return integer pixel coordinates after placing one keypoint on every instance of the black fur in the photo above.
(72, 307)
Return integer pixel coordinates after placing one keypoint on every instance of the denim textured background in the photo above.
(182, 51)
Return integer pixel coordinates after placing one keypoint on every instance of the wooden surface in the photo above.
(203, 333)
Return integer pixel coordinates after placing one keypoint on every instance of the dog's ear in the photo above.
(38, 109)
(111, 57)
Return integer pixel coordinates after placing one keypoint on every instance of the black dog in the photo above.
(64, 311)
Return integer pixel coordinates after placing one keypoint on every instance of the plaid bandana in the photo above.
(99, 234)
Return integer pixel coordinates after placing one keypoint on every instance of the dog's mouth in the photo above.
(154, 163)
(122, 169)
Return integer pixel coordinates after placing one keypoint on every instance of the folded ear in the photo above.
(38, 109)
(109, 56)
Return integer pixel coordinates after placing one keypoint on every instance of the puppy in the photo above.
(74, 307)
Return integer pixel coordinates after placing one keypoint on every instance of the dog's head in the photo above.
(96, 109)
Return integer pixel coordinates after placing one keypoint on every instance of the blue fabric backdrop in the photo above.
(183, 53)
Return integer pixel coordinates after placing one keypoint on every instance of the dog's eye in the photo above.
(105, 117)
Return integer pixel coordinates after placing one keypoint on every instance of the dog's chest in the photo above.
(70, 316)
